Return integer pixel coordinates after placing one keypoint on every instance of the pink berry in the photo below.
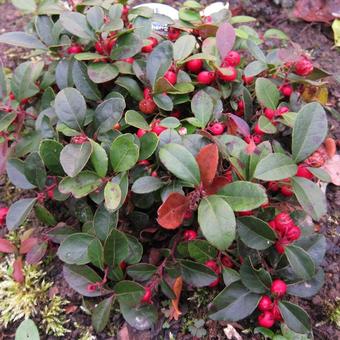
(194, 66)
(278, 288)
(189, 235)
(266, 319)
(232, 59)
(205, 77)
(265, 303)
(303, 67)
(171, 77)
(228, 73)
(216, 129)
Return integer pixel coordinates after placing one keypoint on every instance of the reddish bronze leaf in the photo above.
(6, 246)
(18, 273)
(28, 244)
(216, 185)
(207, 160)
(171, 212)
(177, 288)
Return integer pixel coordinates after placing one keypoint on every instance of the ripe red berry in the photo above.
(273, 186)
(278, 288)
(216, 129)
(303, 67)
(283, 222)
(232, 59)
(156, 128)
(279, 246)
(266, 319)
(269, 113)
(154, 174)
(140, 133)
(293, 233)
(265, 303)
(125, 10)
(128, 60)
(286, 90)
(173, 33)
(257, 139)
(287, 191)
(122, 265)
(189, 235)
(247, 80)
(205, 77)
(3, 214)
(99, 47)
(147, 106)
(144, 162)
(11, 96)
(282, 110)
(147, 93)
(147, 295)
(276, 312)
(74, 49)
(227, 262)
(147, 48)
(240, 104)
(228, 73)
(194, 66)
(171, 77)
(302, 171)
(213, 266)
(50, 194)
(154, 41)
(258, 130)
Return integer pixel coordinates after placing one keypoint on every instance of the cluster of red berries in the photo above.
(152, 43)
(286, 230)
(104, 46)
(270, 309)
(147, 105)
(3, 214)
(272, 114)
(155, 128)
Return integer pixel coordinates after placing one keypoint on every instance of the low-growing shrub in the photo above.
(175, 154)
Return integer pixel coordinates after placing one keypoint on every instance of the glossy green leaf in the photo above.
(99, 159)
(127, 46)
(102, 72)
(77, 24)
(201, 250)
(184, 46)
(101, 314)
(267, 93)
(34, 170)
(129, 293)
(256, 280)
(135, 119)
(22, 39)
(146, 184)
(115, 248)
(196, 274)
(103, 222)
(148, 145)
(18, 212)
(202, 107)
(141, 271)
(50, 153)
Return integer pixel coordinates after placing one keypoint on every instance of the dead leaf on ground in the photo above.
(177, 288)
(316, 10)
(332, 167)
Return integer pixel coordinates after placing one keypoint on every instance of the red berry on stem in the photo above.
(147, 295)
(140, 133)
(156, 128)
(265, 303)
(286, 90)
(144, 162)
(257, 139)
(216, 129)
(11, 96)
(269, 113)
(154, 174)
(173, 33)
(128, 60)
(273, 186)
(189, 235)
(279, 246)
(303, 67)
(293, 233)
(3, 214)
(147, 93)
(147, 106)
(212, 264)
(283, 222)
(194, 66)
(266, 319)
(205, 77)
(282, 110)
(228, 73)
(276, 312)
(258, 130)
(287, 191)
(278, 288)
(302, 171)
(247, 80)
(171, 77)
(232, 58)
(74, 49)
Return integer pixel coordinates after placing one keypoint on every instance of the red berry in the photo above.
(188, 214)
(286, 90)
(3, 214)
(258, 130)
(154, 174)
(282, 110)
(229, 176)
(279, 246)
(122, 265)
(99, 47)
(302, 171)
(227, 262)
(74, 49)
(240, 104)
(125, 11)
(152, 42)
(11, 96)
(293, 233)
(276, 312)
(247, 80)
(215, 283)
(283, 222)
(266, 319)
(171, 77)
(232, 58)
(50, 194)
(206, 77)
(213, 266)
(194, 66)
(128, 60)
(144, 162)
(228, 73)
(189, 235)
(147, 106)
(248, 139)
(287, 191)
(269, 113)
(147, 93)
(303, 67)
(140, 133)
(278, 288)
(147, 295)
(157, 129)
(257, 139)
(265, 303)
(273, 186)
(91, 287)
(173, 33)
(216, 129)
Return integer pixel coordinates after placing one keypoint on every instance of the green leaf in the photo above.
(95, 17)
(99, 159)
(50, 153)
(146, 184)
(74, 157)
(321, 174)
(35, 170)
(6, 120)
(44, 215)
(170, 122)
(309, 132)
(27, 330)
(159, 61)
(255, 51)
(112, 196)
(274, 167)
(135, 250)
(230, 276)
(22, 39)
(254, 68)
(255, 233)
(87, 56)
(135, 119)
(201, 250)
(197, 274)
(202, 106)
(74, 249)
(184, 46)
(300, 261)
(131, 86)
(115, 248)
(256, 280)
(163, 101)
(187, 14)
(217, 221)
(315, 245)
(234, 303)
(295, 317)
(63, 73)
(103, 222)
(266, 125)
(83, 83)
(15, 170)
(123, 153)
(141, 271)
(18, 212)
(70, 107)
(267, 93)
(102, 72)
(129, 293)
(80, 185)
(275, 33)
(148, 145)
(77, 24)
(178, 160)
(127, 46)
(310, 196)
(243, 196)
(141, 317)
(101, 314)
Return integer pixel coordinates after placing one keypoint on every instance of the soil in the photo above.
(316, 38)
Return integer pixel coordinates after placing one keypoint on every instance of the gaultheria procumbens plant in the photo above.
(182, 157)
